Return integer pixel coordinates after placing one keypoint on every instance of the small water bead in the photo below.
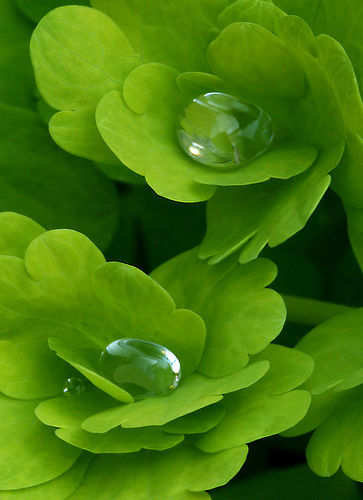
(73, 386)
(220, 130)
(142, 368)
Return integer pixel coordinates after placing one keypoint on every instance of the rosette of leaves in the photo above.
(336, 386)
(121, 73)
(61, 304)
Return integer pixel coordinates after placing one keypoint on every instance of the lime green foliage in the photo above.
(34, 10)
(16, 83)
(241, 315)
(134, 96)
(337, 398)
(61, 304)
(37, 178)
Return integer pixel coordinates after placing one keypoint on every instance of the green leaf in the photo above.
(120, 440)
(296, 482)
(288, 369)
(87, 364)
(339, 442)
(249, 418)
(68, 413)
(267, 407)
(16, 83)
(280, 162)
(197, 391)
(38, 180)
(34, 444)
(79, 54)
(336, 347)
(249, 217)
(163, 32)
(251, 57)
(347, 180)
(76, 132)
(57, 489)
(240, 315)
(122, 288)
(25, 351)
(340, 20)
(34, 10)
(148, 475)
(144, 119)
(16, 232)
(200, 421)
(355, 225)
(251, 11)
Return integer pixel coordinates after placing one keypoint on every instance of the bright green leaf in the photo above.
(339, 441)
(79, 54)
(151, 475)
(266, 213)
(144, 119)
(34, 444)
(249, 418)
(57, 489)
(196, 392)
(240, 315)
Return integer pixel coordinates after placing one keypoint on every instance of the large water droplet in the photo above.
(220, 130)
(142, 368)
(73, 386)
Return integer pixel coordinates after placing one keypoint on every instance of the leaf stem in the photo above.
(310, 311)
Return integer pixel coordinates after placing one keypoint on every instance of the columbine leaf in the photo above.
(335, 19)
(269, 408)
(250, 418)
(200, 421)
(280, 162)
(76, 132)
(355, 225)
(144, 118)
(36, 9)
(336, 347)
(41, 181)
(16, 232)
(196, 392)
(164, 33)
(26, 352)
(64, 285)
(147, 475)
(88, 52)
(67, 413)
(56, 489)
(34, 442)
(241, 316)
(339, 441)
(250, 56)
(17, 83)
(262, 13)
(267, 213)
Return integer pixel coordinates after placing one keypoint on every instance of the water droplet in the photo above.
(73, 386)
(142, 368)
(220, 130)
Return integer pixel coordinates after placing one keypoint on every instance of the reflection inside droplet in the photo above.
(220, 130)
(142, 368)
(73, 386)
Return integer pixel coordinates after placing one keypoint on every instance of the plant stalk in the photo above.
(310, 311)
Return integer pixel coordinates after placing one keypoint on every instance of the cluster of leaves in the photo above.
(112, 80)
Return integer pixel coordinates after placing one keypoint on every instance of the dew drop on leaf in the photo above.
(220, 130)
(73, 386)
(142, 368)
